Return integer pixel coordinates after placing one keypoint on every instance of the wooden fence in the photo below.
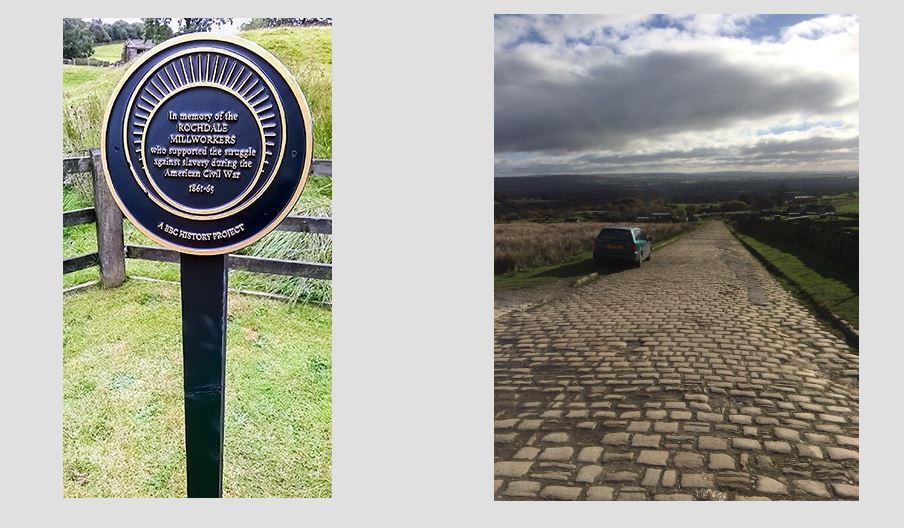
(112, 251)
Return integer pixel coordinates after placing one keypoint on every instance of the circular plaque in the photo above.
(207, 143)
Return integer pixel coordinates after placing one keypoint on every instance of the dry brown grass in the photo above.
(526, 245)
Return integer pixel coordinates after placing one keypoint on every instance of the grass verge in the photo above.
(123, 420)
(834, 289)
(574, 268)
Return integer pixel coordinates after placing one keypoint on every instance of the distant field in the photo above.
(844, 203)
(111, 52)
(525, 245)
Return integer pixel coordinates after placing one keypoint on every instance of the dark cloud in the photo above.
(644, 96)
(813, 144)
(766, 153)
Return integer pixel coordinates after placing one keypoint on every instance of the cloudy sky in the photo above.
(584, 94)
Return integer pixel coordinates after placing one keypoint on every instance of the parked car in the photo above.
(629, 245)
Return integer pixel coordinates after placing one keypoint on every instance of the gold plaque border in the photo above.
(213, 210)
(306, 117)
(187, 213)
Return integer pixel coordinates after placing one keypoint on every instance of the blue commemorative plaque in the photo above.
(207, 143)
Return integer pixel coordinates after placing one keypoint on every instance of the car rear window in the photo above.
(620, 235)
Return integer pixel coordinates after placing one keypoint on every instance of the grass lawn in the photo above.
(832, 287)
(111, 52)
(578, 266)
(75, 77)
(123, 421)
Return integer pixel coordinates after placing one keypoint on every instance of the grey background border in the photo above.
(412, 334)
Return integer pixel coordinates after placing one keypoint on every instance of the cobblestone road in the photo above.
(694, 377)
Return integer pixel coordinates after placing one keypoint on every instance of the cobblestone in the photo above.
(683, 390)
(560, 492)
(653, 458)
(522, 488)
(846, 491)
(589, 474)
(600, 493)
(557, 453)
(838, 453)
(685, 460)
(812, 487)
(770, 485)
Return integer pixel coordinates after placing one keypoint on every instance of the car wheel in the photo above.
(650, 255)
(637, 263)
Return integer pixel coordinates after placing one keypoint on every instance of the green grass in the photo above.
(578, 266)
(844, 203)
(123, 421)
(830, 286)
(75, 77)
(308, 54)
(111, 52)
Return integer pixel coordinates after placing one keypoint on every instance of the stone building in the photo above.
(135, 47)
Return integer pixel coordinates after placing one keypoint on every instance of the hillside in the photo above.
(306, 52)
(672, 187)
(110, 52)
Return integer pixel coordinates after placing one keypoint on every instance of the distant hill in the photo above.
(673, 187)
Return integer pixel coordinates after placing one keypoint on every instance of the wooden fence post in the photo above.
(110, 246)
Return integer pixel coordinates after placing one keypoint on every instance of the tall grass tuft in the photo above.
(308, 247)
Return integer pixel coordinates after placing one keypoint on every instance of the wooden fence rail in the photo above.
(112, 251)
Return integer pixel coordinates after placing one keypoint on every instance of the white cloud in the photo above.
(608, 88)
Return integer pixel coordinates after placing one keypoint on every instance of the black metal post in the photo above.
(204, 281)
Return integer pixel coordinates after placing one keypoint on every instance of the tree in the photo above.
(734, 205)
(201, 25)
(99, 31)
(136, 30)
(157, 29)
(119, 30)
(258, 23)
(77, 39)
(160, 29)
(761, 203)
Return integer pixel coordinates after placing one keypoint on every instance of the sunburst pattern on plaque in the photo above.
(202, 69)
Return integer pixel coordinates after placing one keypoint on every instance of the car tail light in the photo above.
(634, 248)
